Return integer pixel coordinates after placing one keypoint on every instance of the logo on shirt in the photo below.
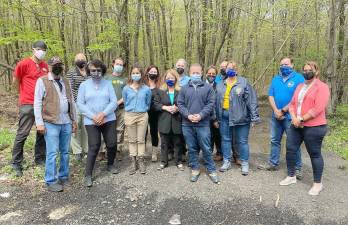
(238, 90)
(117, 82)
(291, 84)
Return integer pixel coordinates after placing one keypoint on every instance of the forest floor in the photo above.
(155, 197)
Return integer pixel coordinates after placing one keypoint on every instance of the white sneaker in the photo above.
(287, 181)
(315, 191)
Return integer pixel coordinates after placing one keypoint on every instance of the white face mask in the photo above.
(39, 54)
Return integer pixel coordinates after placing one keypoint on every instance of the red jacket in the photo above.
(314, 103)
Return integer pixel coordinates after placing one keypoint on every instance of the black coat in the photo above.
(166, 121)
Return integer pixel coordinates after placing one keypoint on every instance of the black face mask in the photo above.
(153, 76)
(308, 75)
(180, 70)
(80, 64)
(223, 72)
(57, 70)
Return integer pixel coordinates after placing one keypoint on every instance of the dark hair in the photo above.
(136, 66)
(97, 64)
(117, 58)
(147, 77)
(212, 67)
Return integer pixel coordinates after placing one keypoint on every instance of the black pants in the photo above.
(26, 121)
(171, 140)
(108, 130)
(153, 122)
(215, 139)
(313, 139)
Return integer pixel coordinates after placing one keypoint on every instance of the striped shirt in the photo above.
(75, 78)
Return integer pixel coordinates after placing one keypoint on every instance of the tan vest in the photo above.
(50, 102)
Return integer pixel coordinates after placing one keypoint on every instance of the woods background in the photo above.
(255, 33)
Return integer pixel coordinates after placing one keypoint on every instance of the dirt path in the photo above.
(157, 196)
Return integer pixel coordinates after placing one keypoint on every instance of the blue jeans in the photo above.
(278, 127)
(242, 140)
(198, 138)
(226, 136)
(57, 137)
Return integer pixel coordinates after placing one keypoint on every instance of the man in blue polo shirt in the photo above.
(280, 94)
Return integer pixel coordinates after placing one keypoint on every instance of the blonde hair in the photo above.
(314, 66)
(176, 76)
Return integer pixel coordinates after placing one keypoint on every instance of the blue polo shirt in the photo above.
(218, 79)
(283, 89)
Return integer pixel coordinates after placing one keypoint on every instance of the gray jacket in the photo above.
(243, 108)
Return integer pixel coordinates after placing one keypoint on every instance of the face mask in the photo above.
(308, 75)
(96, 75)
(210, 79)
(231, 73)
(136, 76)
(118, 69)
(196, 77)
(180, 70)
(223, 72)
(285, 70)
(153, 76)
(57, 70)
(80, 64)
(170, 83)
(39, 54)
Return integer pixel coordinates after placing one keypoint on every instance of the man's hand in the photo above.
(278, 114)
(197, 117)
(175, 109)
(192, 118)
(216, 124)
(41, 129)
(74, 127)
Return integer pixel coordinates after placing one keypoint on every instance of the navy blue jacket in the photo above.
(196, 99)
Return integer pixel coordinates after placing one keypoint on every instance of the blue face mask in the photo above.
(285, 70)
(170, 83)
(231, 72)
(136, 76)
(196, 77)
(118, 69)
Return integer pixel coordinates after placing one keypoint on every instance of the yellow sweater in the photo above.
(226, 103)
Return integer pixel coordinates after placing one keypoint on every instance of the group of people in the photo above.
(191, 110)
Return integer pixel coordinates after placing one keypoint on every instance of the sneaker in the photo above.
(315, 190)
(142, 166)
(180, 167)
(245, 168)
(299, 175)
(161, 166)
(194, 175)
(154, 157)
(218, 158)
(64, 182)
(55, 187)
(287, 181)
(225, 166)
(112, 169)
(88, 181)
(18, 170)
(268, 167)
(214, 177)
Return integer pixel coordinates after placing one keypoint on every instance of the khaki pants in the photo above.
(79, 142)
(136, 125)
(120, 128)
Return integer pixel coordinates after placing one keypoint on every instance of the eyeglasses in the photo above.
(95, 70)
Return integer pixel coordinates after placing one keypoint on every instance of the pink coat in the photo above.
(315, 102)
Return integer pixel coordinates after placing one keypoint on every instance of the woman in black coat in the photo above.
(169, 119)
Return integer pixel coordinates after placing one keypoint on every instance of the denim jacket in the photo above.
(136, 101)
(243, 108)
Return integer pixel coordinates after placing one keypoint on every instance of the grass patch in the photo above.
(337, 139)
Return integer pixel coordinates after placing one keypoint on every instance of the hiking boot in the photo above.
(268, 167)
(112, 169)
(194, 175)
(287, 181)
(142, 166)
(133, 167)
(180, 167)
(214, 177)
(101, 156)
(79, 157)
(55, 187)
(245, 168)
(18, 170)
(88, 181)
(154, 157)
(299, 175)
(63, 182)
(218, 157)
(225, 166)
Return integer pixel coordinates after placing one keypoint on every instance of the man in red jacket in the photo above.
(25, 76)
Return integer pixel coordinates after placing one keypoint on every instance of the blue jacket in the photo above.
(243, 108)
(136, 101)
(196, 99)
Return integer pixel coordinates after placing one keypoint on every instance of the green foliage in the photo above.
(337, 140)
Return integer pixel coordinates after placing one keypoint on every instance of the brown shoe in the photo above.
(142, 166)
(217, 157)
(238, 162)
(101, 156)
(133, 166)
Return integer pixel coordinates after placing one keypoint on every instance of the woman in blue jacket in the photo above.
(236, 108)
(137, 99)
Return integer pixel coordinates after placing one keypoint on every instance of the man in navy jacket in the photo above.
(196, 102)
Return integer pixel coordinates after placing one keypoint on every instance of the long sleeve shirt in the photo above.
(96, 97)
